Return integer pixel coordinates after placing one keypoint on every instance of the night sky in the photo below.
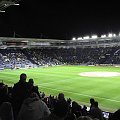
(59, 20)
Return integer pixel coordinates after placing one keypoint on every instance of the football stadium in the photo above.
(54, 79)
(81, 69)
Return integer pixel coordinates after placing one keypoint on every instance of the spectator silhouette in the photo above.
(116, 115)
(6, 111)
(91, 102)
(4, 97)
(96, 112)
(76, 109)
(61, 97)
(60, 111)
(32, 88)
(30, 83)
(19, 93)
(84, 111)
(33, 109)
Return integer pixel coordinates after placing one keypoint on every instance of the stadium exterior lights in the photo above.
(110, 35)
(103, 36)
(73, 38)
(94, 36)
(86, 37)
(79, 38)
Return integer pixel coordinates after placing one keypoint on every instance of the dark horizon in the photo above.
(59, 20)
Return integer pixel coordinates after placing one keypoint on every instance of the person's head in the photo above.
(61, 109)
(4, 90)
(69, 101)
(85, 107)
(33, 94)
(96, 104)
(75, 104)
(31, 81)
(23, 77)
(61, 96)
(1, 85)
(92, 100)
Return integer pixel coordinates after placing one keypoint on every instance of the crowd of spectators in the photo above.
(20, 58)
(13, 59)
(43, 56)
(24, 101)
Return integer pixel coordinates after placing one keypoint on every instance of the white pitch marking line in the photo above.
(82, 94)
(55, 81)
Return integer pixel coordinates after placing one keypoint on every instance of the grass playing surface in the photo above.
(66, 79)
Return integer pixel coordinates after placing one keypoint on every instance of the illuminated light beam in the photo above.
(114, 35)
(94, 36)
(73, 38)
(110, 35)
(103, 36)
(79, 38)
(86, 37)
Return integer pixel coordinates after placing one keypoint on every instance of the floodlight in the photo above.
(86, 37)
(103, 36)
(79, 38)
(114, 35)
(94, 36)
(73, 38)
(110, 35)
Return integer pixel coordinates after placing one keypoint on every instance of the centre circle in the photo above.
(100, 74)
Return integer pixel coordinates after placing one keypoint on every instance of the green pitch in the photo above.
(66, 79)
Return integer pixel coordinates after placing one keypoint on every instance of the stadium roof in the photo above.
(9, 42)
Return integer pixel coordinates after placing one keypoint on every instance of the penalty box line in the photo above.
(82, 94)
